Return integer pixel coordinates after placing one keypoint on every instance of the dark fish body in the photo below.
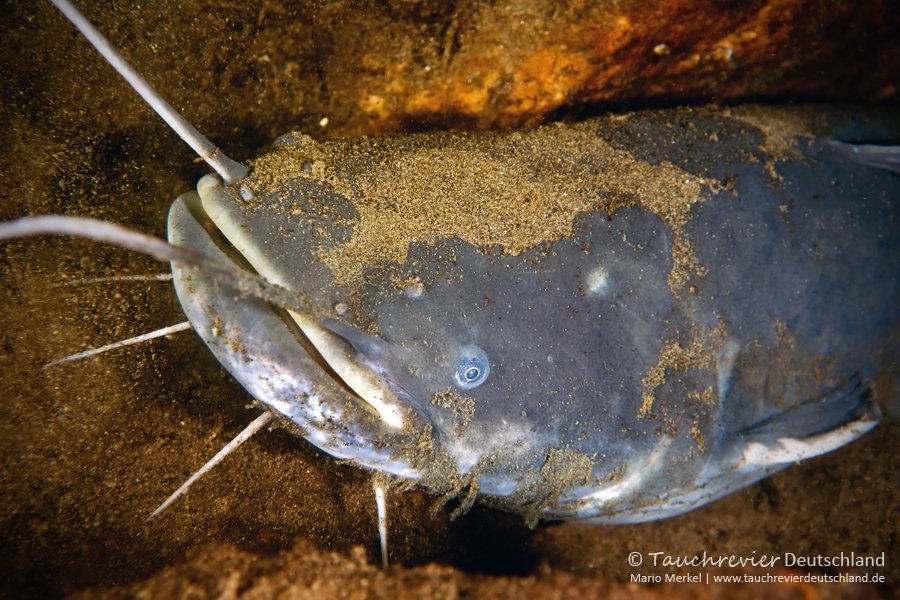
(620, 319)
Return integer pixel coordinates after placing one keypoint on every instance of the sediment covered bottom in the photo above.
(223, 571)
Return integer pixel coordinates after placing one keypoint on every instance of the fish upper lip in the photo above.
(334, 349)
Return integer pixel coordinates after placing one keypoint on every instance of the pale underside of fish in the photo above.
(618, 320)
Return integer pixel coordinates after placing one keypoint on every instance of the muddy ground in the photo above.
(90, 448)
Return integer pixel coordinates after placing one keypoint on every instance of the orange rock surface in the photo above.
(511, 64)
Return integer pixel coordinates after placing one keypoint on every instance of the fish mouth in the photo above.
(326, 380)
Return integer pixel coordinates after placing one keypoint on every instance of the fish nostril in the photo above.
(471, 368)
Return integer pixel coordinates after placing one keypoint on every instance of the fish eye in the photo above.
(471, 368)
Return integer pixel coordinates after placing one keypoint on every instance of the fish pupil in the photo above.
(472, 373)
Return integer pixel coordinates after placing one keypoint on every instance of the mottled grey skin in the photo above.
(617, 391)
